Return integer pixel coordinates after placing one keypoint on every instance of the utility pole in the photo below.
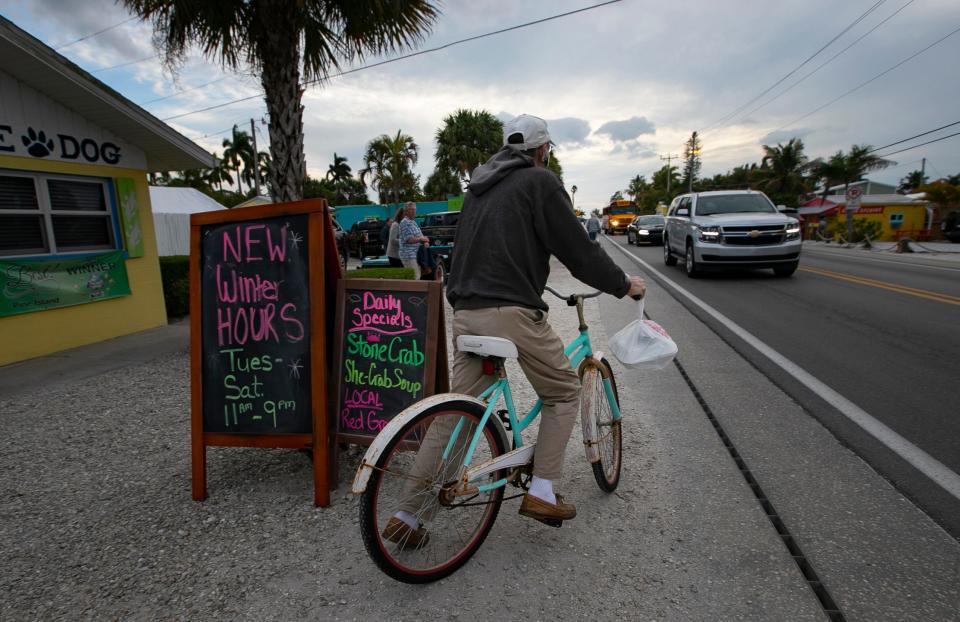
(923, 170)
(669, 157)
(256, 158)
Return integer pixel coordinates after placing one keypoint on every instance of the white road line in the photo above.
(921, 460)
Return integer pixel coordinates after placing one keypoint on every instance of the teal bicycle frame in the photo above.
(579, 349)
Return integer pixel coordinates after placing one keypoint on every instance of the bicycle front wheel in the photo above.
(602, 433)
(409, 476)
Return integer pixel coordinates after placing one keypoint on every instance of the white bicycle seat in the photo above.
(487, 346)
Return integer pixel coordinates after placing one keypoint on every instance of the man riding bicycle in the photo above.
(515, 215)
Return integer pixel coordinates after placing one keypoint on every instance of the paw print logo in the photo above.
(37, 144)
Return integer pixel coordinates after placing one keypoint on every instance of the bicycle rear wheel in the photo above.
(598, 422)
(409, 475)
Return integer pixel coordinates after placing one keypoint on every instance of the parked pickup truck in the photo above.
(440, 228)
(737, 228)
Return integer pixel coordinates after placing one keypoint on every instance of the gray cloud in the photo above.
(127, 42)
(782, 136)
(569, 130)
(628, 129)
(634, 150)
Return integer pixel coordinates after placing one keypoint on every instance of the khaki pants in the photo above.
(546, 367)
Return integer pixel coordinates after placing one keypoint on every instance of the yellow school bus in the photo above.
(618, 215)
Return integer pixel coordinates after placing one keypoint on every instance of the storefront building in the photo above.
(897, 215)
(78, 255)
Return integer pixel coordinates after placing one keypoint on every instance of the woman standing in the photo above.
(393, 241)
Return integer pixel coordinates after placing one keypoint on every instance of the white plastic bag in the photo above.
(643, 344)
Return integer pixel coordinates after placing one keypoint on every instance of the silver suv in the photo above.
(737, 228)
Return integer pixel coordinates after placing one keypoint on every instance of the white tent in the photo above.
(171, 216)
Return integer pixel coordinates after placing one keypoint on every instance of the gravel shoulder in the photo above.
(96, 519)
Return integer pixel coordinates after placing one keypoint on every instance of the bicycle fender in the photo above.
(396, 424)
(589, 425)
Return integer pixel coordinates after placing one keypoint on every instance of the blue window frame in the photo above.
(47, 215)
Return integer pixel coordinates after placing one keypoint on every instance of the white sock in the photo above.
(543, 489)
(408, 518)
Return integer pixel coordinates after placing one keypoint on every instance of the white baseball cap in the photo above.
(532, 130)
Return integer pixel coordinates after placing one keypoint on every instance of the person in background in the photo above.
(385, 234)
(410, 239)
(393, 241)
(593, 226)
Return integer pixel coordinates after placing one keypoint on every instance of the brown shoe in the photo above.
(545, 512)
(401, 533)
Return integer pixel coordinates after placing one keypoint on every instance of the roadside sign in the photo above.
(854, 193)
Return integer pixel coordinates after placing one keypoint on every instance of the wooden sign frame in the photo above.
(436, 377)
(324, 274)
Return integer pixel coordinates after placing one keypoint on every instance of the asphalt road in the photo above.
(880, 330)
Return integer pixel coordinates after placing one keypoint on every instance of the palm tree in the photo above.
(388, 162)
(638, 189)
(783, 168)
(160, 178)
(237, 152)
(276, 38)
(442, 183)
(912, 182)
(861, 161)
(339, 170)
(829, 172)
(667, 181)
(219, 173)
(467, 139)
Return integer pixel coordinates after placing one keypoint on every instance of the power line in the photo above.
(186, 90)
(797, 68)
(411, 55)
(942, 127)
(830, 60)
(99, 32)
(863, 84)
(935, 140)
(127, 64)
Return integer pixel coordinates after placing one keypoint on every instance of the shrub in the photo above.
(175, 274)
(379, 273)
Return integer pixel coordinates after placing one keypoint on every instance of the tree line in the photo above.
(785, 174)
(466, 139)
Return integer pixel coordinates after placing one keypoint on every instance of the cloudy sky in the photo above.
(621, 85)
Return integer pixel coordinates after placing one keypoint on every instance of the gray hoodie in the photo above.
(515, 216)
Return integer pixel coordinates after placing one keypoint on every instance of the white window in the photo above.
(44, 214)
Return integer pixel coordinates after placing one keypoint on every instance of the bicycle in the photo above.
(483, 452)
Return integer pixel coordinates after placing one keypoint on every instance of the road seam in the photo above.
(827, 603)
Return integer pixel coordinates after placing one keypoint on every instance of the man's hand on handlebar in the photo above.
(638, 287)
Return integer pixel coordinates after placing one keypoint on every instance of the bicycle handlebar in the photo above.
(571, 296)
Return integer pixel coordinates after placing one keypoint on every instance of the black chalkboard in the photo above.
(255, 326)
(387, 347)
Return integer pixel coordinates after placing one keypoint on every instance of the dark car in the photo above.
(645, 230)
(364, 238)
(440, 228)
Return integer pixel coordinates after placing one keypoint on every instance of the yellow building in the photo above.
(898, 215)
(78, 255)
